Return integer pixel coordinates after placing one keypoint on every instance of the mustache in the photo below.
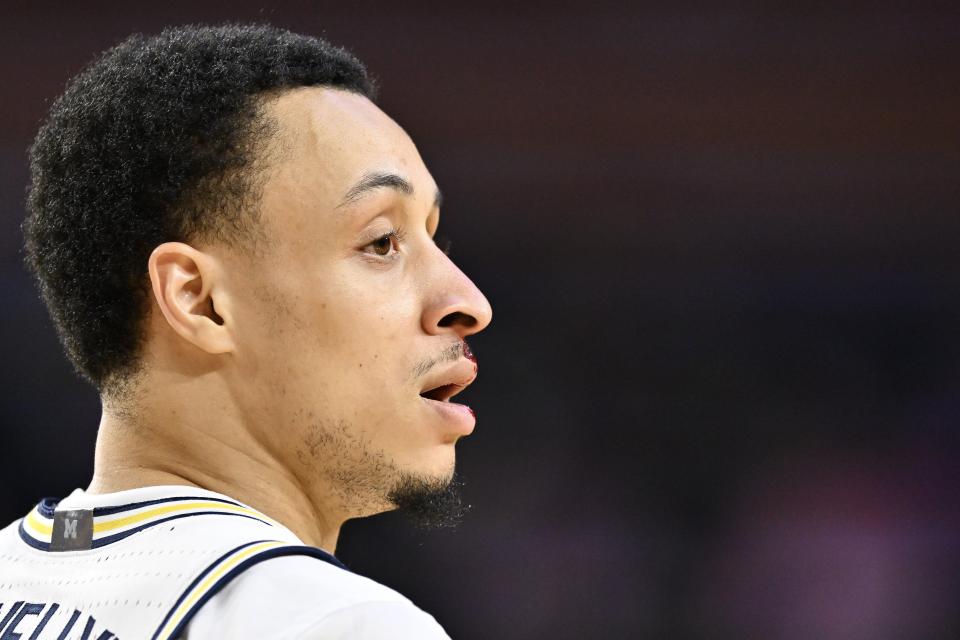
(451, 354)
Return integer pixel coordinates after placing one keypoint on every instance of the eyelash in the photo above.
(399, 234)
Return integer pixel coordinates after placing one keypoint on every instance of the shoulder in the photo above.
(8, 531)
(298, 597)
(10, 539)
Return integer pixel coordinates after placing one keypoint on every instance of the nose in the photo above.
(455, 305)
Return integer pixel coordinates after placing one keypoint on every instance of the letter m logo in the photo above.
(72, 530)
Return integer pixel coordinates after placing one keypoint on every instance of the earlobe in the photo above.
(184, 282)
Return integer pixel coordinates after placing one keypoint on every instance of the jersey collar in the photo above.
(124, 513)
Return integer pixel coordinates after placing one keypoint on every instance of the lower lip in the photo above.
(459, 415)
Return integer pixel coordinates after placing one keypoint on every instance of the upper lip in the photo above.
(449, 381)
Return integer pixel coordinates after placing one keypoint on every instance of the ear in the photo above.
(185, 285)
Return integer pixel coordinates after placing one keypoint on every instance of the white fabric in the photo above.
(128, 586)
(297, 598)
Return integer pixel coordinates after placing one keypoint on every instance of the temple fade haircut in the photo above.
(160, 139)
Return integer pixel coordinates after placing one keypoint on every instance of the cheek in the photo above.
(366, 316)
(348, 338)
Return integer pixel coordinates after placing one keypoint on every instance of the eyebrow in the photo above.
(374, 180)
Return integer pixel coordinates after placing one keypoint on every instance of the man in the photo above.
(236, 247)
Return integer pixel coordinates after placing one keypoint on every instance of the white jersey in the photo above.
(161, 563)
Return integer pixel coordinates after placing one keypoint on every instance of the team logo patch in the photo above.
(72, 530)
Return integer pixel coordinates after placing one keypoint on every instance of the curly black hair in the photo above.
(160, 139)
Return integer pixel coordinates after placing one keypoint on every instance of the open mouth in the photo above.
(442, 393)
(443, 384)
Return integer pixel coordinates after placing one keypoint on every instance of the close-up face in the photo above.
(351, 311)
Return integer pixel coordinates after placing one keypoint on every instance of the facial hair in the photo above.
(429, 502)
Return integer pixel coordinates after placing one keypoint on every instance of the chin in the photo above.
(439, 468)
(429, 501)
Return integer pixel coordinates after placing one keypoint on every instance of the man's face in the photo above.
(351, 311)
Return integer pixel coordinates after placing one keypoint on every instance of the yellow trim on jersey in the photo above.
(44, 526)
(198, 591)
(110, 525)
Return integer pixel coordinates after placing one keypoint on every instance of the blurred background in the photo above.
(719, 398)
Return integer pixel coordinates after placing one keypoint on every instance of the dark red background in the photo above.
(719, 397)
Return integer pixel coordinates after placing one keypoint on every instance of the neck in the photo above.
(148, 449)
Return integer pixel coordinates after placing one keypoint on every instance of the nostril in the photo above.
(457, 317)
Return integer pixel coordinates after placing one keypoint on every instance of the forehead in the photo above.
(329, 138)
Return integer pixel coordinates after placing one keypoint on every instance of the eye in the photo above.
(382, 245)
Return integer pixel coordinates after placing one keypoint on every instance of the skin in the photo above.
(289, 377)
